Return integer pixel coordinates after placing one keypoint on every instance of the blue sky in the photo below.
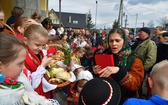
(107, 10)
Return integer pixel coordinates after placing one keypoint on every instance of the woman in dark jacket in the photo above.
(128, 70)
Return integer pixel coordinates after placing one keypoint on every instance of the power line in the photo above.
(140, 6)
(137, 4)
(127, 11)
(147, 8)
(108, 4)
(142, 2)
(90, 4)
(111, 22)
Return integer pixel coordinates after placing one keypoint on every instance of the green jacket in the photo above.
(148, 51)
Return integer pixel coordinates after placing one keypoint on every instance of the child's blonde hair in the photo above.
(159, 74)
(35, 31)
(53, 38)
(80, 50)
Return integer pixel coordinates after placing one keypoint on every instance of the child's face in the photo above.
(37, 20)
(37, 44)
(65, 37)
(13, 68)
(82, 39)
(80, 85)
(78, 38)
(1, 19)
(89, 57)
(21, 29)
(80, 54)
(49, 26)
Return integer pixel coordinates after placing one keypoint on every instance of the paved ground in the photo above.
(61, 97)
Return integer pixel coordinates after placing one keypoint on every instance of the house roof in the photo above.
(73, 20)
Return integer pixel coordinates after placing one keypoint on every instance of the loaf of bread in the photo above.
(54, 71)
(64, 75)
(55, 81)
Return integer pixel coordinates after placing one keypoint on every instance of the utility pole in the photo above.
(96, 15)
(126, 21)
(104, 27)
(120, 14)
(60, 13)
(135, 24)
(143, 24)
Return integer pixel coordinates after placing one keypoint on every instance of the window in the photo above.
(69, 19)
(54, 21)
(75, 22)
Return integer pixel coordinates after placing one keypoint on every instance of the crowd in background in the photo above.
(134, 58)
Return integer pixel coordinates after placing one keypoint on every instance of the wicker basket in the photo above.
(55, 45)
(10, 31)
(63, 84)
(58, 85)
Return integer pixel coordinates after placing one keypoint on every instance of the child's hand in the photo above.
(45, 61)
(107, 71)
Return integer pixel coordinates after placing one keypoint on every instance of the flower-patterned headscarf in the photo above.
(122, 58)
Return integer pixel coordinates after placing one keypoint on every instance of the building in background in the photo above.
(29, 7)
(68, 20)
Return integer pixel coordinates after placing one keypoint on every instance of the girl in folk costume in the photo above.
(19, 26)
(35, 37)
(75, 63)
(73, 94)
(15, 88)
(76, 55)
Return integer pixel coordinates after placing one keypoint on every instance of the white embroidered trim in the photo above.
(109, 97)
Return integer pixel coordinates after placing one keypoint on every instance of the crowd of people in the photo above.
(30, 44)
